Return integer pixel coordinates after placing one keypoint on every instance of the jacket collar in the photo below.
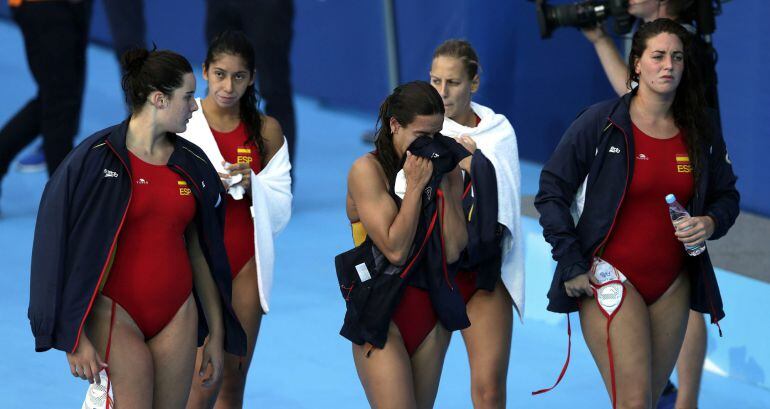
(621, 112)
(117, 140)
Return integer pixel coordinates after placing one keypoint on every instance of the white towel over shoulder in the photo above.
(270, 195)
(496, 139)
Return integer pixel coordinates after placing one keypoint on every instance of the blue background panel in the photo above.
(339, 58)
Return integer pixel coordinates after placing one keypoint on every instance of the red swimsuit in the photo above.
(642, 245)
(239, 227)
(151, 276)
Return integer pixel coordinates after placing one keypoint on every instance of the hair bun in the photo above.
(133, 59)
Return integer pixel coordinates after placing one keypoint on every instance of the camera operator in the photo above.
(693, 352)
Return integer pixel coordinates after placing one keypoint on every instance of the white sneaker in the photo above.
(97, 396)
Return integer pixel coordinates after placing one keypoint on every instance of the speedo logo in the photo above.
(110, 173)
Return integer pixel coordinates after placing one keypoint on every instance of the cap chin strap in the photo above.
(609, 295)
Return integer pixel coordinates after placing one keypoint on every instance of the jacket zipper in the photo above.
(112, 248)
(625, 187)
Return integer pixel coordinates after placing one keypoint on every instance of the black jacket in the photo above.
(598, 149)
(78, 223)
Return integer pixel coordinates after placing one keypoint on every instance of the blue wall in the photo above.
(339, 57)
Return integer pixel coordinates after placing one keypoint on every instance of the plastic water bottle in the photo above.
(678, 213)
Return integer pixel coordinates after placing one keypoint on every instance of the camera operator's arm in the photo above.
(609, 56)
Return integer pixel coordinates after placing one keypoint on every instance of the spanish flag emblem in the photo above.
(243, 154)
(183, 189)
(683, 163)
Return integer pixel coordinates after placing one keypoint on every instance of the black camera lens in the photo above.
(583, 14)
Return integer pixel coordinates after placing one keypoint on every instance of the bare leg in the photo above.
(488, 341)
(689, 367)
(427, 363)
(386, 374)
(631, 348)
(173, 352)
(668, 318)
(130, 363)
(229, 392)
(249, 313)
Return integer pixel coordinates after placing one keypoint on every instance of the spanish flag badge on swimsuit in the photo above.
(683, 163)
(183, 189)
(243, 154)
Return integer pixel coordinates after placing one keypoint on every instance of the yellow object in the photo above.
(359, 233)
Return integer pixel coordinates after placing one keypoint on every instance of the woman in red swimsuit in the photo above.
(455, 73)
(247, 140)
(628, 154)
(144, 320)
(394, 377)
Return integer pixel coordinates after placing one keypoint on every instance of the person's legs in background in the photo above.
(127, 24)
(55, 38)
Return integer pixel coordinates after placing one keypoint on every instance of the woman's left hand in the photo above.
(694, 230)
(213, 354)
(240, 168)
(470, 145)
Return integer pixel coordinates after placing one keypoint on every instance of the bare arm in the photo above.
(208, 295)
(392, 229)
(272, 134)
(610, 58)
(453, 224)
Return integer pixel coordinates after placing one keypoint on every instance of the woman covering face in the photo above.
(404, 205)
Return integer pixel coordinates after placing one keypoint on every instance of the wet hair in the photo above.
(405, 103)
(463, 51)
(147, 71)
(237, 44)
(689, 107)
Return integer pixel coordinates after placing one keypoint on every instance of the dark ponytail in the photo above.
(236, 43)
(406, 102)
(145, 72)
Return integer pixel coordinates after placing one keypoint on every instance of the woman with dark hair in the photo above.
(410, 208)
(128, 263)
(250, 152)
(455, 73)
(612, 169)
(693, 353)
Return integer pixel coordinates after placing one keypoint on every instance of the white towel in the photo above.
(199, 133)
(270, 195)
(496, 139)
(271, 209)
